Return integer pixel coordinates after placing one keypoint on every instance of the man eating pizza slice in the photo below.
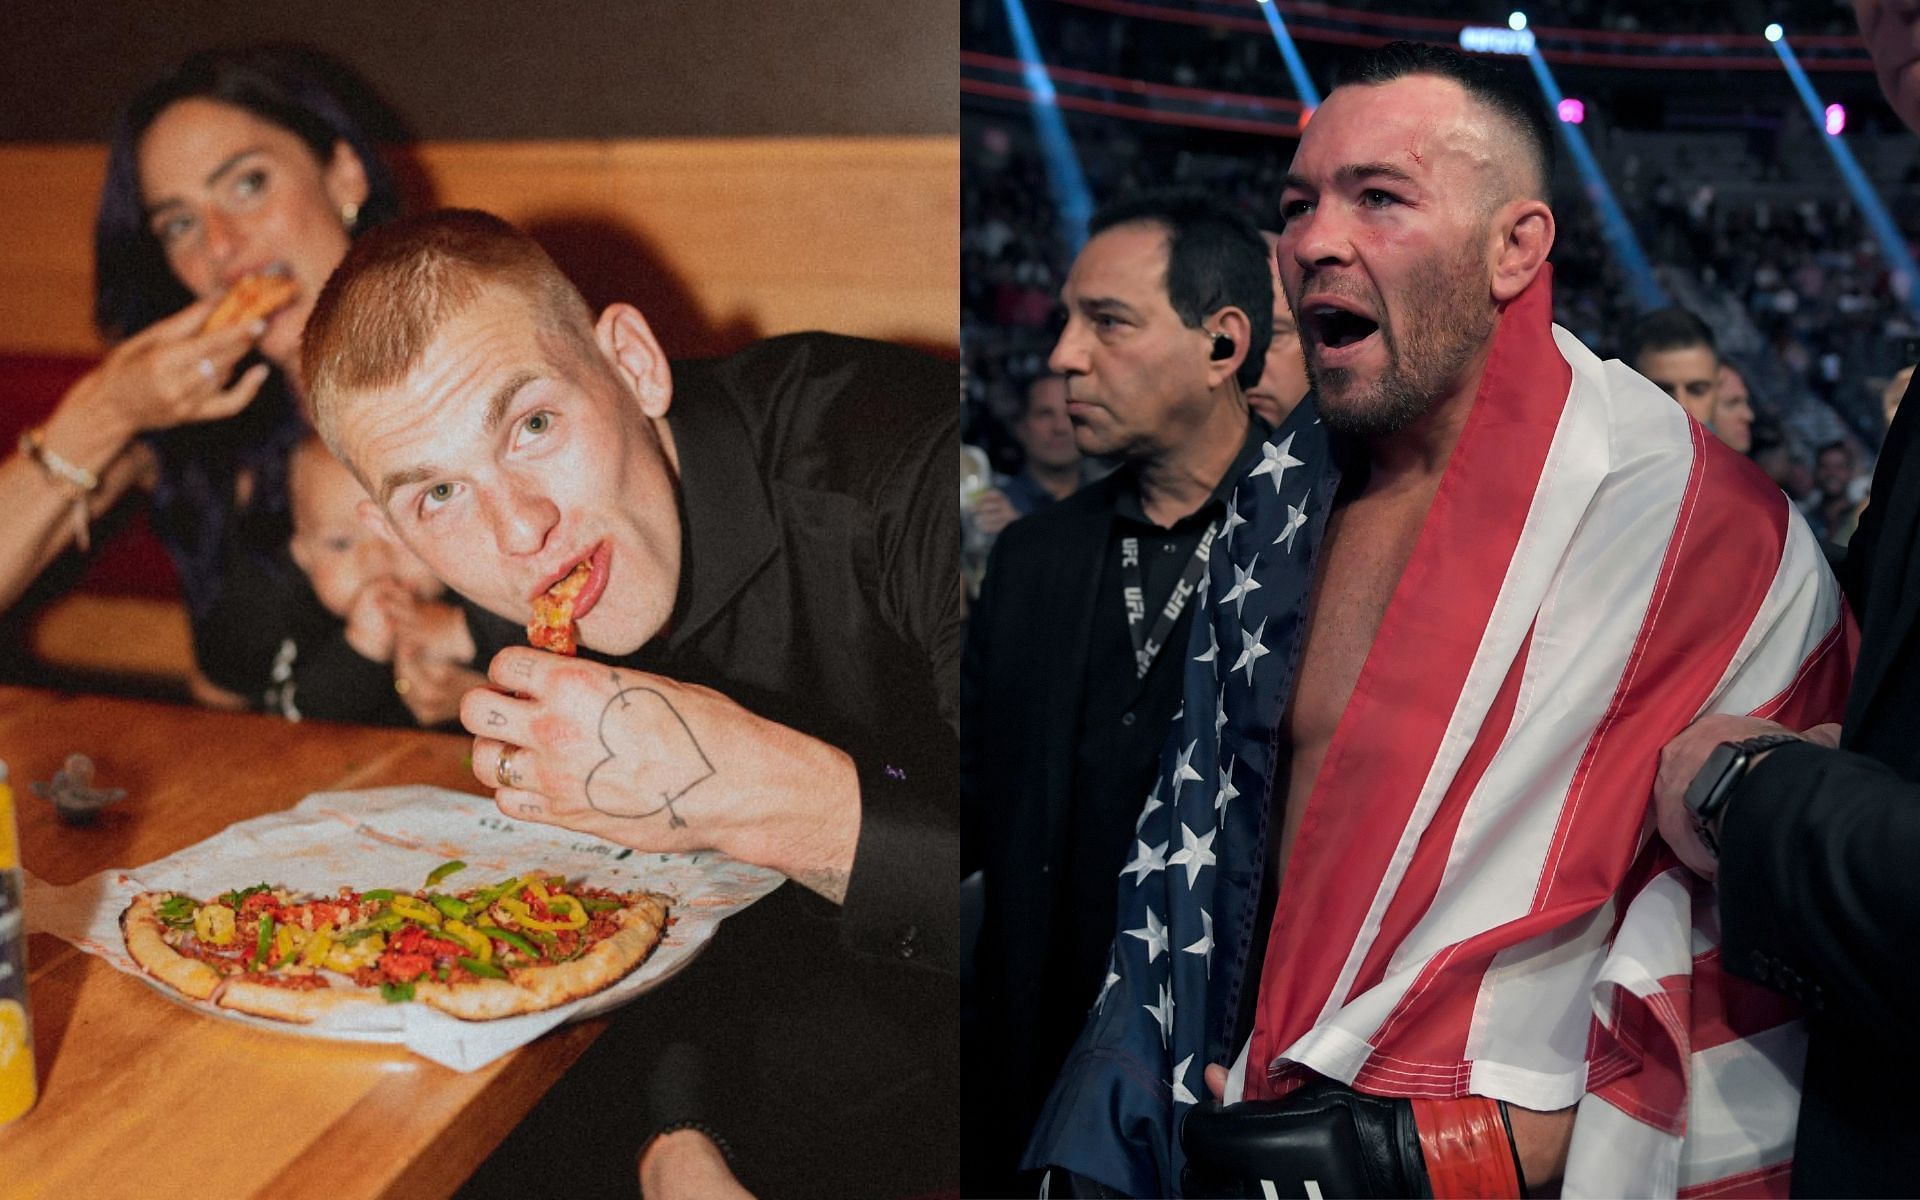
(757, 557)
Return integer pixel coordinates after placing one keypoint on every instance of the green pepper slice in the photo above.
(265, 939)
(443, 870)
(395, 993)
(484, 970)
(451, 906)
(385, 921)
(377, 894)
(594, 904)
(509, 937)
(486, 896)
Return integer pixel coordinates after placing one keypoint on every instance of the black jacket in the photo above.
(1820, 870)
(820, 588)
(1021, 684)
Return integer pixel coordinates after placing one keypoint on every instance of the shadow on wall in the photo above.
(611, 262)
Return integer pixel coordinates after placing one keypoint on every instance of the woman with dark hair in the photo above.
(239, 163)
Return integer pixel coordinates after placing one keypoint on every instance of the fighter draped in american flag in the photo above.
(1454, 696)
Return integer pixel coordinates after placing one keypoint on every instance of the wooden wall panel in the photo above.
(719, 241)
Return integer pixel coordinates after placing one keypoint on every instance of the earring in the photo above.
(349, 215)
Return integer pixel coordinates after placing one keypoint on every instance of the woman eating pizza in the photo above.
(233, 188)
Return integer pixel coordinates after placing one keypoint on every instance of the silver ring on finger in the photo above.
(506, 772)
(208, 371)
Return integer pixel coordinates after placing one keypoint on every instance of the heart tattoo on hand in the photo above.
(652, 758)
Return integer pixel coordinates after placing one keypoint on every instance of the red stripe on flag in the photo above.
(1390, 731)
(1727, 1008)
(1698, 615)
(1435, 1037)
(1769, 1183)
(1819, 691)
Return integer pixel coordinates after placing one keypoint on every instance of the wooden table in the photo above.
(142, 1097)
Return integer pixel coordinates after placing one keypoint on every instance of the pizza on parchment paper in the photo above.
(522, 945)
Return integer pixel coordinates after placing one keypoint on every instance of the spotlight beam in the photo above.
(1893, 247)
(1302, 82)
(1614, 225)
(1065, 179)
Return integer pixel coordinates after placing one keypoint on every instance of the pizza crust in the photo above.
(144, 932)
(533, 989)
(302, 1006)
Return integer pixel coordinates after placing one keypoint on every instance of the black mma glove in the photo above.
(1344, 1142)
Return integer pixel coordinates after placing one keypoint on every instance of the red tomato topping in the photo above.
(404, 968)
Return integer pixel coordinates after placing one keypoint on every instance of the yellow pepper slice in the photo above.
(213, 924)
(524, 917)
(347, 959)
(284, 943)
(472, 939)
(315, 952)
(417, 909)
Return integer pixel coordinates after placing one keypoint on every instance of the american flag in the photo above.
(1476, 902)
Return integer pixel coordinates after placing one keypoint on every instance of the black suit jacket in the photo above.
(1820, 870)
(1020, 698)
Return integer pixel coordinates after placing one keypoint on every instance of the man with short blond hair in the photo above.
(770, 632)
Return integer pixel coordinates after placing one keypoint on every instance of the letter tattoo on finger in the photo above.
(651, 752)
(496, 719)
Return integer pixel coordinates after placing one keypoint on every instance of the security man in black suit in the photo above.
(1816, 849)
(1067, 685)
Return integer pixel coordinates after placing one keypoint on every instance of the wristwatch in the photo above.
(1725, 767)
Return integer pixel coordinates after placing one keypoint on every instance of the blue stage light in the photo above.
(1831, 119)
(1064, 177)
(1614, 226)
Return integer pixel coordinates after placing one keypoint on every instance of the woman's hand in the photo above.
(171, 374)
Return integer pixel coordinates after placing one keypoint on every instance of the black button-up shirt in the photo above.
(1123, 724)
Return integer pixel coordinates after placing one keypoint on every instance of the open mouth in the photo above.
(1338, 328)
(597, 564)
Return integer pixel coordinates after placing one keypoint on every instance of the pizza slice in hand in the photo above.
(552, 627)
(253, 297)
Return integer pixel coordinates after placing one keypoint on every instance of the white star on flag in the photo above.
(1227, 790)
(1203, 946)
(1146, 861)
(1243, 584)
(1296, 517)
(1183, 770)
(1220, 713)
(1253, 651)
(1233, 519)
(1195, 853)
(1180, 1093)
(1154, 935)
(1276, 461)
(1113, 977)
(1213, 644)
(1153, 802)
(1162, 1012)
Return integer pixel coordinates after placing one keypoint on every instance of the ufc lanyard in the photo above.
(1147, 643)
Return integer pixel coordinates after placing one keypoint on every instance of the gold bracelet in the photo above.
(34, 447)
(81, 481)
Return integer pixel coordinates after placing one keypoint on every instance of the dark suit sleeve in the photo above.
(901, 900)
(1820, 884)
(1863, 547)
(974, 687)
